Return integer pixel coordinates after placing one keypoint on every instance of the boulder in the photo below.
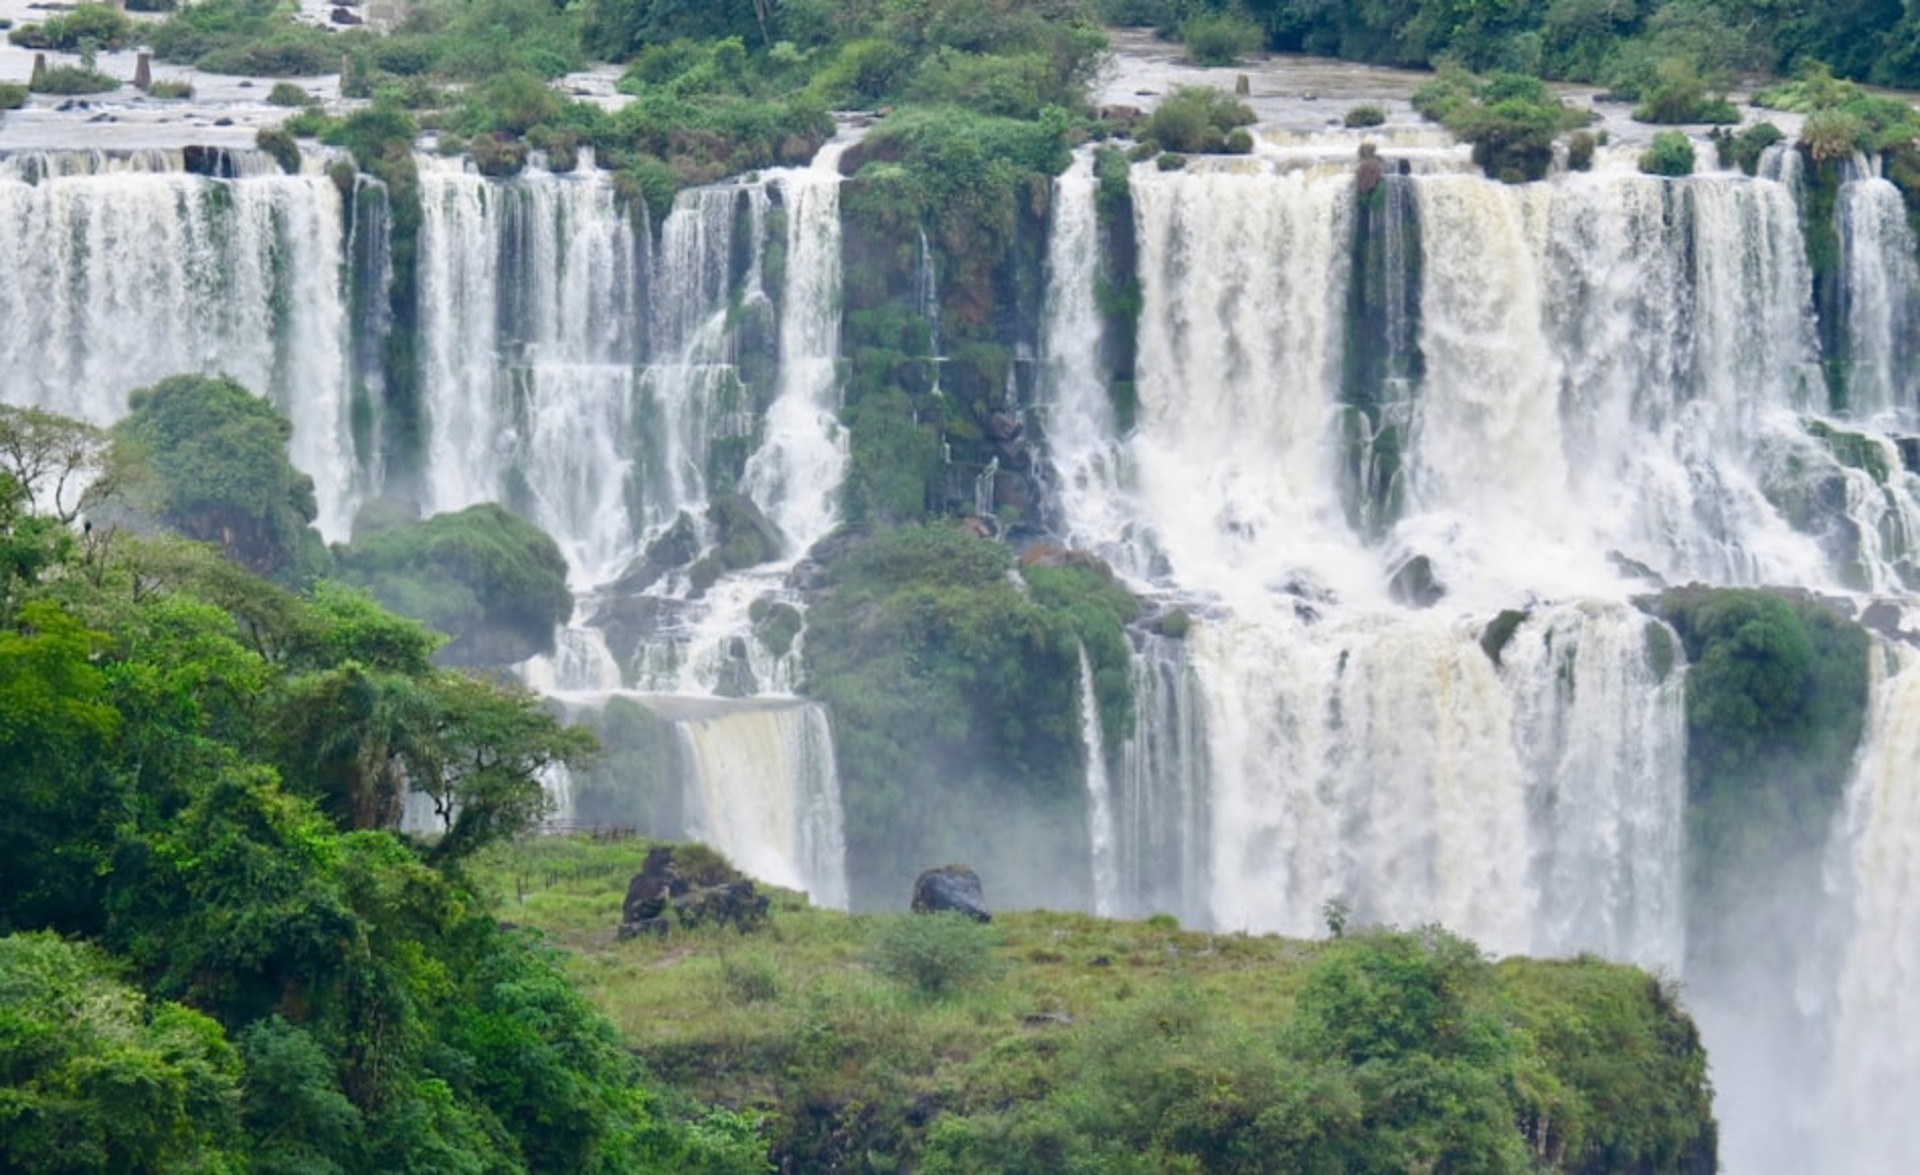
(1415, 585)
(661, 896)
(951, 888)
(674, 547)
(1883, 617)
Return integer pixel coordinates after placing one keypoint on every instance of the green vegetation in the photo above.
(1670, 154)
(949, 681)
(1621, 46)
(1365, 115)
(494, 583)
(217, 950)
(1219, 38)
(1776, 702)
(1122, 1046)
(12, 96)
(1744, 149)
(1678, 94)
(209, 460)
(72, 79)
(289, 94)
(1511, 119)
(88, 27)
(1195, 120)
(170, 89)
(937, 955)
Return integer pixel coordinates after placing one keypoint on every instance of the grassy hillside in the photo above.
(1067, 1042)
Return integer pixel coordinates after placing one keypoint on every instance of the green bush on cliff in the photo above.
(88, 26)
(1670, 154)
(492, 581)
(954, 699)
(208, 459)
(1776, 703)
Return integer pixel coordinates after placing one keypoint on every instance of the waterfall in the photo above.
(529, 300)
(1100, 826)
(1243, 277)
(1087, 472)
(796, 474)
(1600, 726)
(1880, 281)
(1866, 1117)
(118, 272)
(1162, 828)
(761, 789)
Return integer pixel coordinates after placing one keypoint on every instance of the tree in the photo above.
(60, 465)
(95, 1078)
(214, 459)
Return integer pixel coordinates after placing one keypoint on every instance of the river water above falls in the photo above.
(1369, 432)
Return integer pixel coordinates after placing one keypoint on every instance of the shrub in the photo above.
(170, 89)
(1580, 148)
(1679, 95)
(1834, 133)
(289, 54)
(750, 979)
(1239, 141)
(1195, 119)
(74, 79)
(310, 123)
(288, 94)
(1143, 14)
(1671, 154)
(1511, 120)
(937, 954)
(1221, 38)
(12, 96)
(1365, 115)
(1743, 150)
(93, 25)
(279, 143)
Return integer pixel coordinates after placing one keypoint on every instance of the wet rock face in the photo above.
(951, 888)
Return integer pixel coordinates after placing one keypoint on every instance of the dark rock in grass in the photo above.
(954, 888)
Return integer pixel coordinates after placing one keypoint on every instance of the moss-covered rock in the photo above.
(493, 582)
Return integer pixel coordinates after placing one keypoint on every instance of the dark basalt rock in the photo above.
(1415, 585)
(675, 547)
(951, 888)
(660, 898)
(1883, 617)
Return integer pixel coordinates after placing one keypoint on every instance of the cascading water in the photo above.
(1881, 283)
(1100, 826)
(1865, 1116)
(763, 791)
(797, 472)
(529, 296)
(118, 272)
(1439, 702)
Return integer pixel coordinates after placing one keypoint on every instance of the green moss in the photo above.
(775, 624)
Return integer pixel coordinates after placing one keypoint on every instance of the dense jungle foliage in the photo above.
(1053, 1041)
(218, 950)
(1633, 47)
